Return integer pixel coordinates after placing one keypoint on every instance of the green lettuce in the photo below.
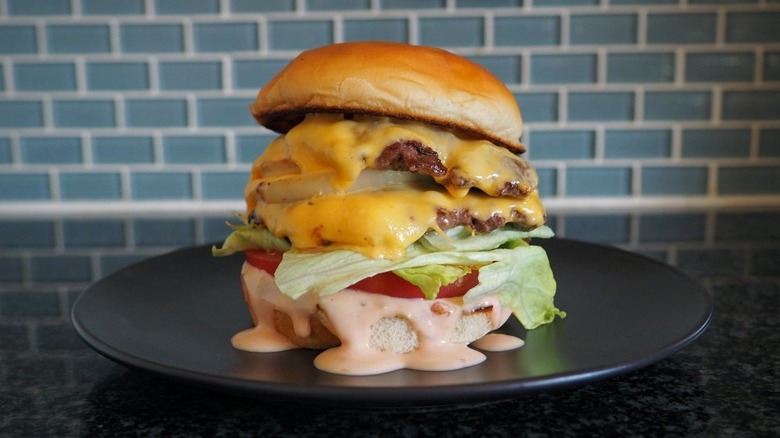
(249, 236)
(432, 277)
(517, 273)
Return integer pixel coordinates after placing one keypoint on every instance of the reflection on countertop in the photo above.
(52, 384)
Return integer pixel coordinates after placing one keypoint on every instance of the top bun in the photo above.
(393, 80)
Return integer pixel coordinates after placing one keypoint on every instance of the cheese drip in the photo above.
(381, 222)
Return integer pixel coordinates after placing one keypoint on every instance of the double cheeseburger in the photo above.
(389, 223)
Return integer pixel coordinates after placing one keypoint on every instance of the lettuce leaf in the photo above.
(249, 236)
(432, 277)
(517, 273)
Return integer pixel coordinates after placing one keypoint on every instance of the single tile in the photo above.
(538, 107)
(601, 228)
(6, 157)
(644, 2)
(44, 76)
(10, 271)
(337, 5)
(78, 38)
(527, 31)
(308, 34)
(117, 75)
(161, 185)
(164, 232)
(487, 3)
(772, 66)
(21, 113)
(452, 31)
(751, 105)
(412, 4)
(226, 37)
(27, 233)
(681, 28)
(223, 185)
(60, 268)
(164, 7)
(719, 67)
(38, 7)
(650, 143)
(18, 39)
(561, 145)
(90, 186)
(112, 7)
(29, 304)
(673, 227)
(749, 180)
(224, 112)
(556, 3)
(93, 233)
(156, 112)
(505, 68)
(194, 150)
(603, 29)
(191, 75)
(592, 106)
(753, 27)
(747, 226)
(598, 181)
(769, 143)
(83, 113)
(640, 67)
(23, 186)
(563, 69)
(122, 150)
(715, 143)
(263, 6)
(151, 38)
(678, 105)
(674, 180)
(391, 29)
(50, 150)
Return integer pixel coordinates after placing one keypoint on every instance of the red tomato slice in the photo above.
(385, 283)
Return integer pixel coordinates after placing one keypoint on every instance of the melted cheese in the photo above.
(382, 222)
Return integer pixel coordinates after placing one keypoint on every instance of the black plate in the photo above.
(174, 315)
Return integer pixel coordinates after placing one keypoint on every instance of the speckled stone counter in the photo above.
(727, 383)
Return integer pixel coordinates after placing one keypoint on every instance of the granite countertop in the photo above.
(724, 384)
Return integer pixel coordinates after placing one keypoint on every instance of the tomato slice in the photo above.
(385, 283)
(266, 260)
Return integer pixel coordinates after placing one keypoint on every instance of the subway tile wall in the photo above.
(626, 102)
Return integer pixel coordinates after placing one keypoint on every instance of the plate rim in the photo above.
(381, 396)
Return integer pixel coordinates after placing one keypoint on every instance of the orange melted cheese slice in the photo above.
(381, 222)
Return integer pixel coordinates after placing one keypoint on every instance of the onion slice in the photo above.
(295, 187)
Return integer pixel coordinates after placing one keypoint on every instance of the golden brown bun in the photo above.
(394, 80)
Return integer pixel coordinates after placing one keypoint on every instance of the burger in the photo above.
(390, 223)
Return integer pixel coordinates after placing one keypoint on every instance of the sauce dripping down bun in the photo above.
(366, 333)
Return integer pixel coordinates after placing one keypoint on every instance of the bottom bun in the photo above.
(367, 333)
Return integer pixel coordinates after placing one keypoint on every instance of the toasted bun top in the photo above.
(394, 80)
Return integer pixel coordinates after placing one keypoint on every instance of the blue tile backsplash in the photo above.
(106, 102)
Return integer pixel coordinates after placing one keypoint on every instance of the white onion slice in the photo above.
(296, 187)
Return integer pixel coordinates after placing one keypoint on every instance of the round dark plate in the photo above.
(174, 315)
